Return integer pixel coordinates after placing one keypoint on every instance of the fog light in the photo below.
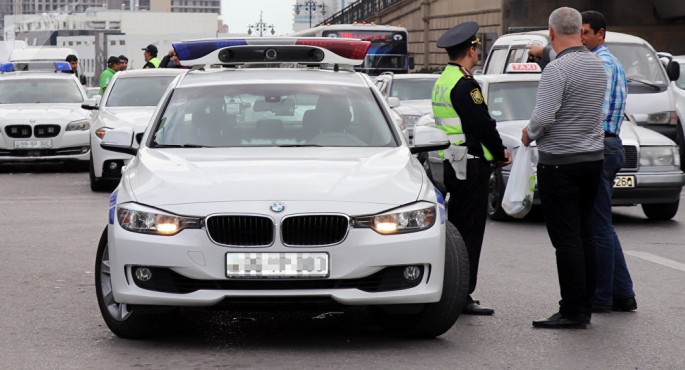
(84, 149)
(143, 274)
(412, 273)
(113, 165)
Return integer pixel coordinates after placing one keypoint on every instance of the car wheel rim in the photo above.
(117, 311)
(493, 193)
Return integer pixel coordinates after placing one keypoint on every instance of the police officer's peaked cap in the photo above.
(458, 34)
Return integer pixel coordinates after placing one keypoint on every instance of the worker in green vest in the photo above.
(107, 75)
(460, 110)
(150, 54)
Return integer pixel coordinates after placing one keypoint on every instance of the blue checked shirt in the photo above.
(617, 87)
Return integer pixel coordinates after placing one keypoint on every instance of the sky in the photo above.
(239, 14)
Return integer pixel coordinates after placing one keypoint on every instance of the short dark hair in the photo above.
(595, 19)
(123, 58)
(112, 60)
(72, 58)
(458, 51)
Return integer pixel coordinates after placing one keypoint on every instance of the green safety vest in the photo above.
(446, 118)
(155, 62)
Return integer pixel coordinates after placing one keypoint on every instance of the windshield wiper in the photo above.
(298, 145)
(180, 146)
(644, 83)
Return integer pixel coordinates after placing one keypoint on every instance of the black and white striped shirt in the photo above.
(567, 119)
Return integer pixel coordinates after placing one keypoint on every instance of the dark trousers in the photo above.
(567, 193)
(468, 208)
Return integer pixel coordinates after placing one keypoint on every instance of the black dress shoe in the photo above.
(474, 308)
(624, 304)
(601, 308)
(557, 321)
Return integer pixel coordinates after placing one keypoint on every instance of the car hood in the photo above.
(414, 107)
(134, 117)
(42, 113)
(162, 177)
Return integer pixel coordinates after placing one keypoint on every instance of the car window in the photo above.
(680, 82)
(509, 101)
(413, 88)
(498, 59)
(40, 91)
(138, 92)
(639, 63)
(273, 115)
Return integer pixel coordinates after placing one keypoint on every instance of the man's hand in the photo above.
(534, 52)
(524, 137)
(507, 157)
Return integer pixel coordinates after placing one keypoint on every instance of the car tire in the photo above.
(680, 140)
(124, 320)
(96, 183)
(495, 195)
(434, 319)
(661, 211)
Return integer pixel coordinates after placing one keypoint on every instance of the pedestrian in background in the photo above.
(107, 74)
(150, 55)
(567, 125)
(614, 285)
(123, 63)
(73, 62)
(460, 110)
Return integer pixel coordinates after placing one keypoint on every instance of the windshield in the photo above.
(511, 101)
(273, 115)
(640, 63)
(413, 88)
(40, 91)
(680, 82)
(138, 92)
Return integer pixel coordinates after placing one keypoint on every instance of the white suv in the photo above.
(278, 185)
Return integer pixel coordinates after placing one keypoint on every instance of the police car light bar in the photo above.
(308, 50)
(35, 66)
(523, 68)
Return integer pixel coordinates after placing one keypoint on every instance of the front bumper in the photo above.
(193, 256)
(68, 145)
(103, 158)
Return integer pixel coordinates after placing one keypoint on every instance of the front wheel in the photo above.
(661, 211)
(495, 195)
(435, 318)
(122, 319)
(96, 183)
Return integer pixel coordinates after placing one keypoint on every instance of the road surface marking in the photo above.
(656, 259)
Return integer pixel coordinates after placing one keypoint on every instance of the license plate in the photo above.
(624, 182)
(276, 265)
(32, 144)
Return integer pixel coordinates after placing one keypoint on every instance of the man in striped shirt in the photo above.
(614, 285)
(567, 126)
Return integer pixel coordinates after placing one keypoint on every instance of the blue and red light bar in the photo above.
(35, 66)
(307, 50)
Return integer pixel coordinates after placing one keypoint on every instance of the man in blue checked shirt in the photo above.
(614, 285)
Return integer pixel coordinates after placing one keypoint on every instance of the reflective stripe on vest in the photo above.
(446, 117)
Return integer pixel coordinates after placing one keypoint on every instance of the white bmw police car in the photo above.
(41, 116)
(259, 185)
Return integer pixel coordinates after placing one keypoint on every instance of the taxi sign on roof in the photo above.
(523, 68)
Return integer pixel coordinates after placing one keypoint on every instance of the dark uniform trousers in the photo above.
(468, 208)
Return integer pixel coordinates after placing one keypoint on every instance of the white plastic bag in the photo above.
(518, 196)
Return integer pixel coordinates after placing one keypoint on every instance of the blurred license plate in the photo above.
(624, 182)
(276, 265)
(32, 144)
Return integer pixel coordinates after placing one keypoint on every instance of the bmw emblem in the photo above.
(277, 207)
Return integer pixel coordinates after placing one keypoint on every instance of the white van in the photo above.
(650, 99)
(41, 54)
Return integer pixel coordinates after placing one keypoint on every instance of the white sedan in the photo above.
(263, 186)
(129, 101)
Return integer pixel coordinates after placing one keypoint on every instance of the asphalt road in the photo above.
(50, 223)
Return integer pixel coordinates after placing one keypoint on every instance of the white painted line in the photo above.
(656, 259)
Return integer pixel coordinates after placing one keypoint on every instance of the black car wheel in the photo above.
(661, 211)
(495, 195)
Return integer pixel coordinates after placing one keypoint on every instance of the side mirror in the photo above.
(89, 104)
(428, 139)
(393, 101)
(673, 70)
(119, 140)
(411, 62)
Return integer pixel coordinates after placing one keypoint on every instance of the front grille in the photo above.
(46, 130)
(18, 131)
(241, 231)
(314, 230)
(387, 279)
(631, 158)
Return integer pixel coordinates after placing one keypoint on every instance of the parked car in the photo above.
(412, 91)
(277, 186)
(92, 91)
(128, 102)
(41, 118)
(651, 176)
(678, 87)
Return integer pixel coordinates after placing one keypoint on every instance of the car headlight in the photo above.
(663, 118)
(407, 219)
(658, 156)
(80, 125)
(138, 218)
(410, 120)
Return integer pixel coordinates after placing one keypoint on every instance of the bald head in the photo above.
(566, 21)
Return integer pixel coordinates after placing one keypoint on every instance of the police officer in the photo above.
(460, 110)
(150, 54)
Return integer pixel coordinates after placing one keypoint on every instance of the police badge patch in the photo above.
(476, 96)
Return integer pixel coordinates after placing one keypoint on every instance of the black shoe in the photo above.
(601, 308)
(474, 308)
(557, 321)
(624, 304)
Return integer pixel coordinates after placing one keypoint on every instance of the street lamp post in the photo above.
(260, 26)
(310, 6)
